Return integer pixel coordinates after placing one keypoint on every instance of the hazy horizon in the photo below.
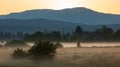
(107, 6)
(58, 10)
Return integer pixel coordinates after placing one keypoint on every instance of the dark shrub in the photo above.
(16, 43)
(19, 53)
(42, 50)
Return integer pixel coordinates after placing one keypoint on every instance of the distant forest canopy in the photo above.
(11, 36)
(102, 34)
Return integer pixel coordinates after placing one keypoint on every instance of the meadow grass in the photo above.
(68, 57)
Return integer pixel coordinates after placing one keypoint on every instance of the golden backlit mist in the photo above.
(106, 6)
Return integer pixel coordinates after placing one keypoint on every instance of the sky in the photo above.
(105, 6)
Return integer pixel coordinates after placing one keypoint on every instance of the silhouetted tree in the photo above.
(37, 36)
(117, 34)
(19, 35)
(10, 36)
(77, 33)
(55, 36)
(66, 36)
(27, 37)
(1, 35)
(104, 33)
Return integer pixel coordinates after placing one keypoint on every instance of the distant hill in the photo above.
(75, 15)
(57, 20)
(33, 25)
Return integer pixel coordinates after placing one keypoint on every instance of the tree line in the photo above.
(11, 36)
(102, 34)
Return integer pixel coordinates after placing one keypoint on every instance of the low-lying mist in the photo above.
(67, 57)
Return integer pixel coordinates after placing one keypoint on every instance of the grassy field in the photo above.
(68, 57)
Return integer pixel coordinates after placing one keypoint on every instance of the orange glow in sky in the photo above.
(106, 6)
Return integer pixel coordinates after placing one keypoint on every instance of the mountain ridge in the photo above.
(75, 15)
(30, 26)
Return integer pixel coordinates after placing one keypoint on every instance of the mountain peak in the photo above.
(76, 15)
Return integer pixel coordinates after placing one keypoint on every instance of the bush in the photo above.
(19, 53)
(42, 50)
(16, 43)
